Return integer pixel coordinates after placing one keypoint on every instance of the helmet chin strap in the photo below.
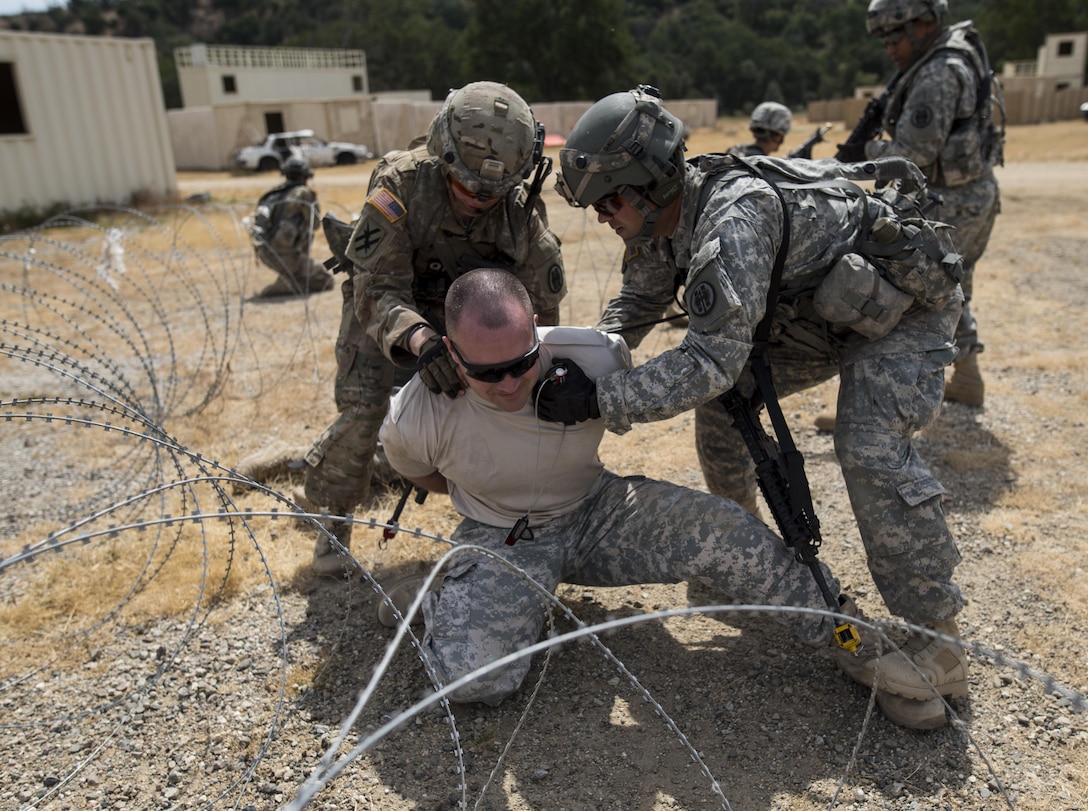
(920, 47)
(648, 210)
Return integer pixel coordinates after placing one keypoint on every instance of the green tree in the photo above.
(565, 49)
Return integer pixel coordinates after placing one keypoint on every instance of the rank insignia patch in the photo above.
(387, 203)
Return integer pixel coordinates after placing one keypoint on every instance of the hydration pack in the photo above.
(897, 245)
(268, 212)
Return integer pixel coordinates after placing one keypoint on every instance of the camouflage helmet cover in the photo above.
(885, 16)
(771, 116)
(296, 169)
(487, 138)
(625, 139)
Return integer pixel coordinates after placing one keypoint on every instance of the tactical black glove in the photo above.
(436, 369)
(850, 153)
(566, 395)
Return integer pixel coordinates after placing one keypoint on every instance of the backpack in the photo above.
(269, 210)
(897, 244)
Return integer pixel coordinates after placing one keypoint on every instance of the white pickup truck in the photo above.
(279, 146)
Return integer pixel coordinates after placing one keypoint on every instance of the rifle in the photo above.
(805, 150)
(782, 480)
(390, 532)
(868, 127)
(338, 235)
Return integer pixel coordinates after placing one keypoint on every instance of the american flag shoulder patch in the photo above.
(387, 203)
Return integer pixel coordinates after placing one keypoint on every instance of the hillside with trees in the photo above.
(740, 52)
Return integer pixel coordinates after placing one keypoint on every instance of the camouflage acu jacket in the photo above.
(408, 245)
(723, 251)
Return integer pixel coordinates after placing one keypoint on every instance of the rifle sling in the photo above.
(800, 496)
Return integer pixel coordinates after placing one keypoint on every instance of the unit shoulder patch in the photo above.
(921, 117)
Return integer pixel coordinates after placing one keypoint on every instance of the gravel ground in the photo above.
(233, 701)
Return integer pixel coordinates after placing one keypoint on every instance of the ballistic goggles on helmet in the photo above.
(495, 372)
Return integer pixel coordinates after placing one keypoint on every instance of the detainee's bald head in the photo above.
(488, 298)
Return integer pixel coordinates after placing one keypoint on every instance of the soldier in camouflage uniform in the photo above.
(940, 117)
(283, 232)
(536, 494)
(769, 125)
(719, 226)
(456, 199)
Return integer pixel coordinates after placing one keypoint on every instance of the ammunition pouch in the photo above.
(855, 295)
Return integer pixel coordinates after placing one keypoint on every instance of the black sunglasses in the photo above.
(494, 373)
(609, 205)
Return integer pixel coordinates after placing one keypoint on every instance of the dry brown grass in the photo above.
(281, 376)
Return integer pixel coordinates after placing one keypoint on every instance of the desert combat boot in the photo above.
(865, 666)
(966, 384)
(334, 560)
(943, 665)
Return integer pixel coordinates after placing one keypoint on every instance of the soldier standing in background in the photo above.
(939, 115)
(770, 124)
(456, 199)
(282, 232)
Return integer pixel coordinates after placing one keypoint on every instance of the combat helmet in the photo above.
(487, 138)
(772, 117)
(296, 169)
(885, 16)
(625, 142)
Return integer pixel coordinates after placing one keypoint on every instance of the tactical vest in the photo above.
(443, 256)
(975, 143)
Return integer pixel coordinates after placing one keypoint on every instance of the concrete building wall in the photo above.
(94, 122)
(1063, 58)
(210, 75)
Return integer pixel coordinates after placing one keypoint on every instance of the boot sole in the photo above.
(905, 712)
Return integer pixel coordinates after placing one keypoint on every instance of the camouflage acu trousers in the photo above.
(971, 209)
(887, 393)
(340, 462)
(632, 530)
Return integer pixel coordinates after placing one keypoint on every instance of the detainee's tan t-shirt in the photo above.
(502, 465)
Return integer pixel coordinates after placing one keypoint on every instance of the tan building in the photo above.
(82, 121)
(234, 96)
(1051, 88)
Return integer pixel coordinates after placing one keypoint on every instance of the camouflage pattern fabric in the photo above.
(745, 150)
(729, 230)
(632, 530)
(931, 120)
(287, 249)
(406, 248)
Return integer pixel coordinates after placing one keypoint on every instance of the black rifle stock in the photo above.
(805, 149)
(799, 526)
(869, 125)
